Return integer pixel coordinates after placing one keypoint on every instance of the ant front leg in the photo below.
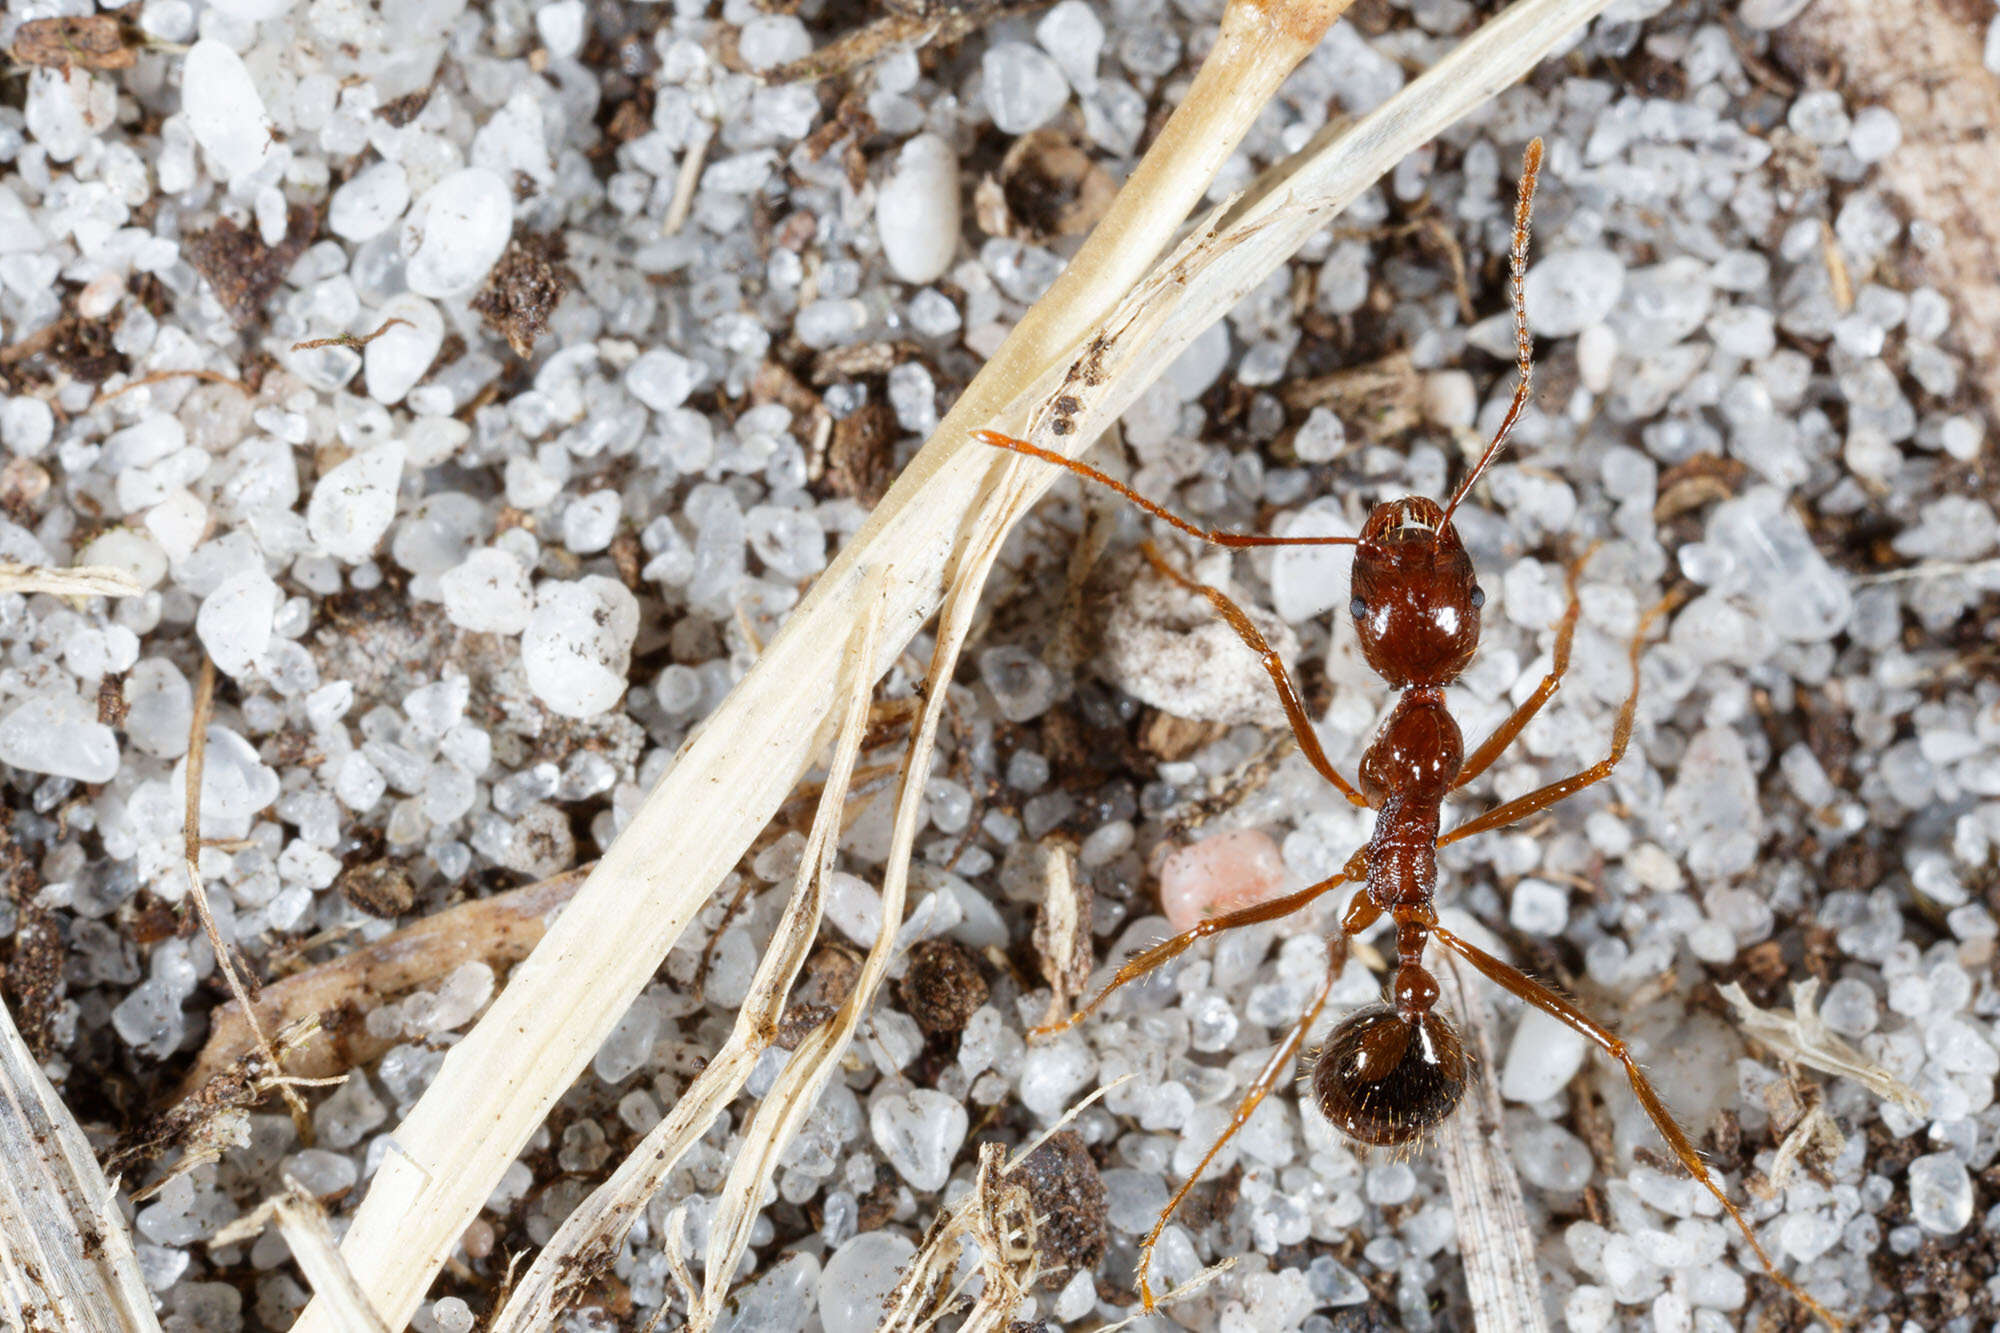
(1361, 913)
(1509, 731)
(1563, 1011)
(1288, 693)
(1141, 963)
(1561, 790)
(1213, 536)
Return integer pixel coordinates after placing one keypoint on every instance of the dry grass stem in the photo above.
(798, 1087)
(77, 581)
(302, 1222)
(498, 931)
(1242, 242)
(1502, 1279)
(592, 1234)
(1801, 1035)
(197, 753)
(497, 1084)
(66, 1259)
(162, 376)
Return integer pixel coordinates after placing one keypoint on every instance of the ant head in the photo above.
(1415, 600)
(1384, 1079)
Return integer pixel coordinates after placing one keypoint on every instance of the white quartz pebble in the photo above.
(1541, 1060)
(57, 732)
(487, 593)
(456, 232)
(916, 211)
(1024, 88)
(234, 623)
(371, 199)
(352, 505)
(223, 109)
(578, 644)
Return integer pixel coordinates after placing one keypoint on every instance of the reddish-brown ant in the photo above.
(1390, 1072)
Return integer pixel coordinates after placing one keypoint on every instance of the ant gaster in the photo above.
(1391, 1071)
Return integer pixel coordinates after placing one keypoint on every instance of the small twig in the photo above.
(930, 23)
(197, 753)
(357, 341)
(161, 376)
(1931, 569)
(76, 581)
(685, 181)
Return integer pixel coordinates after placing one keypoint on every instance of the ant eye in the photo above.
(1384, 1080)
(1357, 608)
(1478, 596)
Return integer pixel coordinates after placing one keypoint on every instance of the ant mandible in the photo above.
(1392, 1071)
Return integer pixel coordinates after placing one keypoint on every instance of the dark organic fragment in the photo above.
(943, 988)
(31, 965)
(1052, 187)
(241, 268)
(861, 460)
(400, 111)
(523, 288)
(1068, 1198)
(380, 888)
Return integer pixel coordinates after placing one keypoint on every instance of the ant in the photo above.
(1392, 1071)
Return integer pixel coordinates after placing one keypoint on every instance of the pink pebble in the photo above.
(1224, 872)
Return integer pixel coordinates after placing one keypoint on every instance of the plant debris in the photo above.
(527, 283)
(241, 268)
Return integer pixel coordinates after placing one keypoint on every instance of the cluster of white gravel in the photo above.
(464, 607)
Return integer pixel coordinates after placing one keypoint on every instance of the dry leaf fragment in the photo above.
(1062, 930)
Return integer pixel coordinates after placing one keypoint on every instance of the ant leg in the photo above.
(1139, 964)
(1561, 790)
(1509, 731)
(1288, 693)
(1213, 536)
(1361, 913)
(1565, 1012)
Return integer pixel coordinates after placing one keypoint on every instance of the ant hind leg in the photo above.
(1288, 693)
(1563, 1011)
(1360, 915)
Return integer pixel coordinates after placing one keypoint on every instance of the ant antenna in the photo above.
(1531, 167)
